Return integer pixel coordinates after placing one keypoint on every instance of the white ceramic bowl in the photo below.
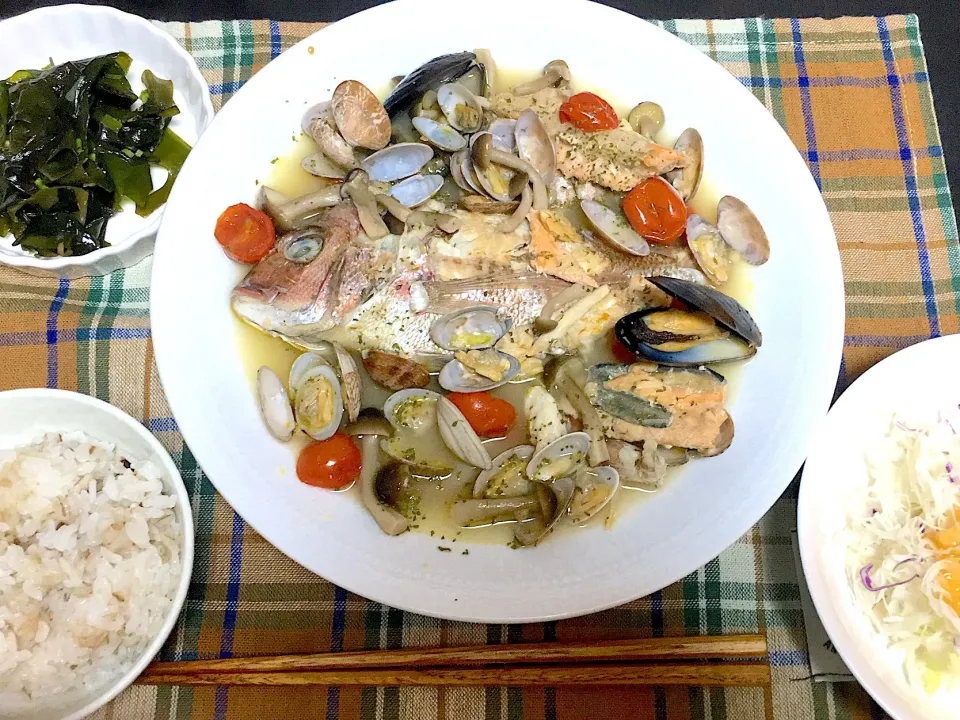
(921, 379)
(783, 391)
(26, 414)
(75, 32)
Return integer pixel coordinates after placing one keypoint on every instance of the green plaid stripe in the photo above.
(901, 281)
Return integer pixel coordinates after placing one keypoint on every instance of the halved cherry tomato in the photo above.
(489, 416)
(656, 211)
(589, 113)
(332, 464)
(620, 352)
(245, 233)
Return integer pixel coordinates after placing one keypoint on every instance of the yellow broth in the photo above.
(256, 348)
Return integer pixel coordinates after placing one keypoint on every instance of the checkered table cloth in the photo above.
(854, 96)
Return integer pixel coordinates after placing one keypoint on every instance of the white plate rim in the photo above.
(830, 285)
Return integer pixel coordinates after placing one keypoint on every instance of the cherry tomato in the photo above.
(332, 464)
(488, 416)
(656, 211)
(589, 113)
(245, 233)
(620, 352)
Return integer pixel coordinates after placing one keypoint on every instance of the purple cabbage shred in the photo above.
(868, 583)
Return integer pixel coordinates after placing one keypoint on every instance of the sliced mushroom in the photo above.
(553, 73)
(520, 213)
(646, 118)
(290, 213)
(483, 153)
(393, 206)
(357, 188)
(369, 428)
(486, 206)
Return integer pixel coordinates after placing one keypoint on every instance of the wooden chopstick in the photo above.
(753, 674)
(673, 648)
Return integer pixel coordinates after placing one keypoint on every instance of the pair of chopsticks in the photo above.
(643, 662)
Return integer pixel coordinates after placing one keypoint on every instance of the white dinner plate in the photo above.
(784, 391)
(920, 380)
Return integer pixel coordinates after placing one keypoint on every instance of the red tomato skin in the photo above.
(655, 210)
(245, 233)
(331, 464)
(589, 112)
(489, 416)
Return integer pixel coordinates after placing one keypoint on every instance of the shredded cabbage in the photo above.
(894, 571)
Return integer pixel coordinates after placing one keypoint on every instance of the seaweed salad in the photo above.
(75, 141)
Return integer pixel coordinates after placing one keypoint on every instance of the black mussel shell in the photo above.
(722, 308)
(431, 74)
(633, 332)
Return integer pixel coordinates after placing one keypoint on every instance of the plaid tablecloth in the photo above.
(855, 97)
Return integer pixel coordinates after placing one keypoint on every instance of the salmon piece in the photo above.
(550, 258)
(619, 159)
(694, 399)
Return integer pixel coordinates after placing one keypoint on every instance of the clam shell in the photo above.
(503, 131)
(524, 452)
(584, 505)
(462, 440)
(397, 161)
(439, 134)
(687, 180)
(396, 401)
(469, 172)
(456, 378)
(349, 381)
(534, 144)
(560, 492)
(416, 189)
(709, 249)
(301, 366)
(360, 116)
(417, 466)
(473, 320)
(320, 111)
(301, 400)
(320, 165)
(570, 445)
(460, 107)
(275, 405)
(741, 230)
(614, 228)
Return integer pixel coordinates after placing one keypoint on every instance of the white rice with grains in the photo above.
(89, 565)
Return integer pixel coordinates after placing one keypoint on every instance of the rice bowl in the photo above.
(96, 549)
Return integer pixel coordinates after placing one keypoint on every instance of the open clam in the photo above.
(709, 250)
(460, 107)
(275, 405)
(593, 492)
(320, 111)
(504, 133)
(397, 161)
(413, 410)
(317, 401)
(555, 498)
(429, 75)
(714, 328)
(741, 230)
(613, 227)
(507, 477)
(349, 382)
(472, 328)
(560, 458)
(478, 371)
(416, 190)
(439, 134)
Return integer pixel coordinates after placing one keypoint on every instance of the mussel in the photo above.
(431, 74)
(713, 328)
